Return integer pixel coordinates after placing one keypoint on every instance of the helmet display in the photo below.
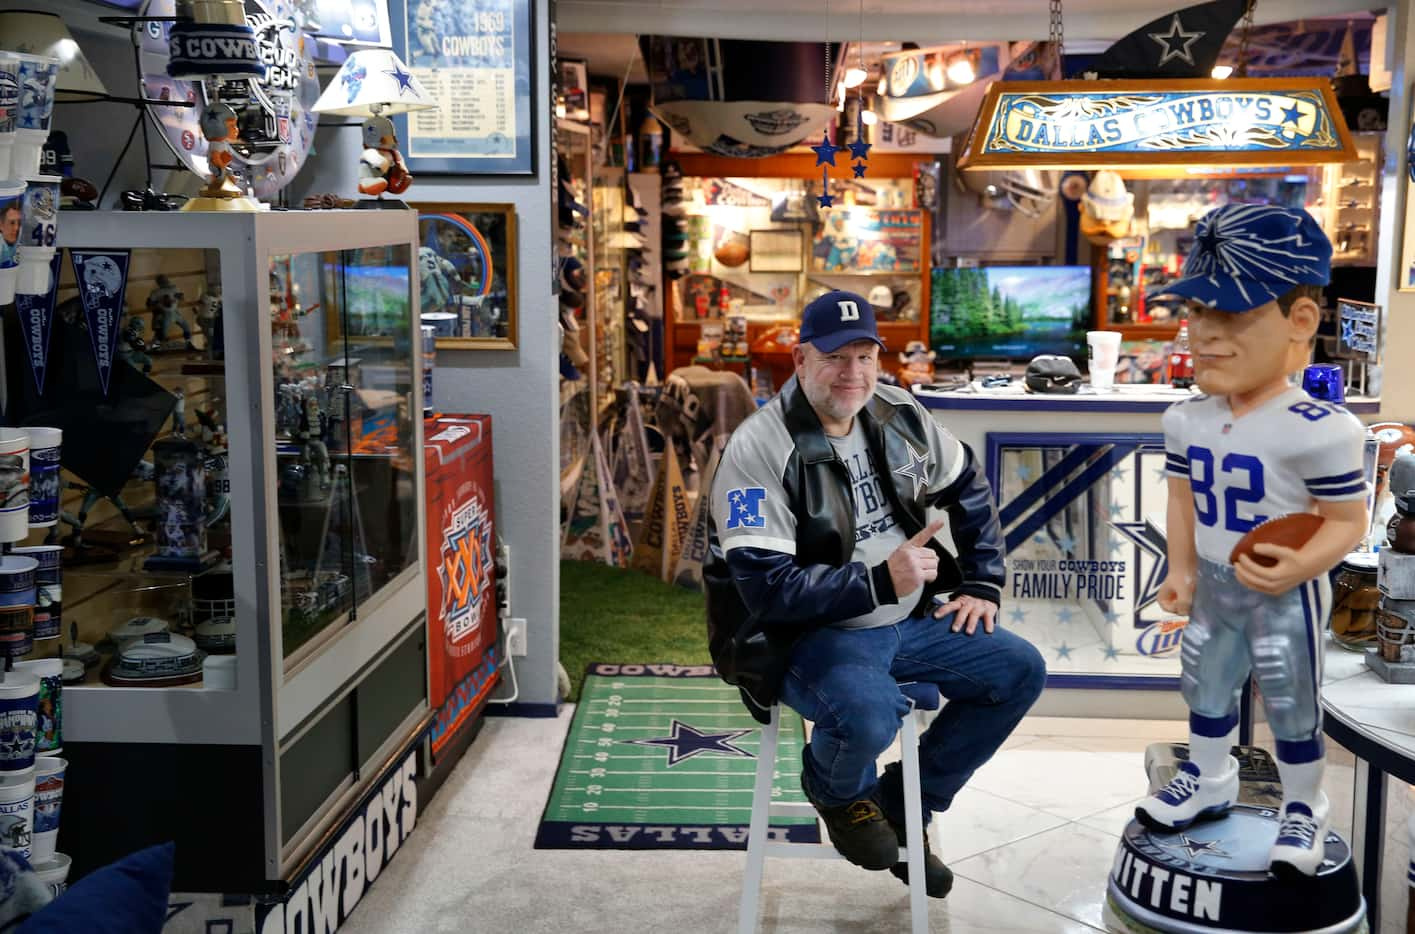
(1030, 191)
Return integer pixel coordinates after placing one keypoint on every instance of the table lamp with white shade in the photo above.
(374, 84)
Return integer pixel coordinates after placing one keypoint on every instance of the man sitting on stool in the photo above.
(821, 584)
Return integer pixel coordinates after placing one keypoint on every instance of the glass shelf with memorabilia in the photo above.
(240, 524)
(1348, 202)
(610, 241)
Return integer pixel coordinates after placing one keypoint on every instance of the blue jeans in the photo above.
(845, 681)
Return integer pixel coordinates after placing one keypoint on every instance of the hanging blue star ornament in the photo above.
(860, 150)
(859, 168)
(825, 198)
(825, 152)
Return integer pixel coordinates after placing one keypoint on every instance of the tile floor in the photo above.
(1030, 841)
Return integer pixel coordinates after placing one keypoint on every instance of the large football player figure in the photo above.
(1253, 447)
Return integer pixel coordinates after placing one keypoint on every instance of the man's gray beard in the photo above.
(822, 401)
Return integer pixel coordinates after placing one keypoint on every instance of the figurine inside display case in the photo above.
(165, 305)
(209, 309)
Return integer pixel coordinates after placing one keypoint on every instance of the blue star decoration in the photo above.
(746, 508)
(1024, 473)
(1176, 43)
(1194, 847)
(1116, 509)
(1018, 616)
(1348, 332)
(685, 742)
(1111, 617)
(859, 149)
(404, 79)
(825, 198)
(917, 469)
(1112, 654)
(825, 152)
(1117, 545)
(1292, 114)
(1063, 651)
(859, 168)
(1066, 543)
(1064, 616)
(1151, 541)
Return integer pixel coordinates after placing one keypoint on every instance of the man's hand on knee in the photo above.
(969, 612)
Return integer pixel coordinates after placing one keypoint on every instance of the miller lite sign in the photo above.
(461, 555)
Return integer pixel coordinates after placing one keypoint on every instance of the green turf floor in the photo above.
(612, 615)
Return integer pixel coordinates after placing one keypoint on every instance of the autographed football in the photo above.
(1290, 531)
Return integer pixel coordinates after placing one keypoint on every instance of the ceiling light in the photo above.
(883, 87)
(869, 117)
(960, 71)
(1221, 71)
(854, 77)
(936, 76)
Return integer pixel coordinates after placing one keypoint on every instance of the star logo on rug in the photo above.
(685, 742)
(1150, 540)
(1195, 847)
(917, 469)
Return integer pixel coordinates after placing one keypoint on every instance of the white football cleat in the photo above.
(1189, 797)
(1300, 847)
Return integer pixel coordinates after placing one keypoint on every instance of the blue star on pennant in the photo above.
(1150, 540)
(917, 469)
(1176, 43)
(825, 152)
(404, 79)
(859, 168)
(684, 742)
(859, 149)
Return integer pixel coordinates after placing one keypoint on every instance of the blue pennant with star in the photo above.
(684, 742)
(1149, 539)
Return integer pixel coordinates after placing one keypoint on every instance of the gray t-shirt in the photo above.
(877, 534)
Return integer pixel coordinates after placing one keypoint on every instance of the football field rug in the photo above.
(664, 757)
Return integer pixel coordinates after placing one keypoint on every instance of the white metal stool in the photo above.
(921, 697)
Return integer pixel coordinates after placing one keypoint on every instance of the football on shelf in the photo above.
(1290, 531)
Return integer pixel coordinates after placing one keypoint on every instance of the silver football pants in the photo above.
(1234, 630)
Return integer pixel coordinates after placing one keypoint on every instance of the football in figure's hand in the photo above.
(1290, 531)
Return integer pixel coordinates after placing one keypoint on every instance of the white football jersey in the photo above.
(1274, 460)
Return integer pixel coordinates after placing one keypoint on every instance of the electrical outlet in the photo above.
(515, 637)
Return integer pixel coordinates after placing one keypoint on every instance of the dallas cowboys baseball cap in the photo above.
(837, 318)
(1246, 255)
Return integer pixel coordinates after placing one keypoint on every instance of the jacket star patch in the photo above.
(917, 469)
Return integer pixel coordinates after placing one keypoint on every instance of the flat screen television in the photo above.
(1010, 312)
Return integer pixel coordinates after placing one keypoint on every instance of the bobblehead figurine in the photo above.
(1248, 450)
(218, 126)
(381, 168)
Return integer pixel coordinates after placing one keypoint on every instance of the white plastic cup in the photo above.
(9, 109)
(218, 673)
(19, 695)
(12, 212)
(48, 799)
(17, 811)
(443, 323)
(1104, 352)
(46, 447)
(39, 233)
(14, 484)
(54, 873)
(49, 706)
(38, 75)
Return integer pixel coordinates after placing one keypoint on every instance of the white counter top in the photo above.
(1124, 398)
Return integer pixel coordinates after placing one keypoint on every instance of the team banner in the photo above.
(596, 530)
(1259, 121)
(689, 570)
(102, 276)
(633, 469)
(36, 314)
(661, 538)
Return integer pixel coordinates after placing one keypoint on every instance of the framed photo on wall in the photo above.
(467, 274)
(476, 59)
(774, 250)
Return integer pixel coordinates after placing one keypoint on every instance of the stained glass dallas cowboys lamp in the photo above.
(374, 83)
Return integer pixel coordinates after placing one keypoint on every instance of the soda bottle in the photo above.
(1179, 369)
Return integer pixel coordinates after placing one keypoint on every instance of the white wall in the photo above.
(1398, 391)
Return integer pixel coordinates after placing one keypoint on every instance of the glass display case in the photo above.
(248, 485)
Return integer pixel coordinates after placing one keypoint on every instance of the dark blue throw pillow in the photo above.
(127, 897)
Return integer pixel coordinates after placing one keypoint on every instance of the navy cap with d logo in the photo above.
(1246, 255)
(837, 318)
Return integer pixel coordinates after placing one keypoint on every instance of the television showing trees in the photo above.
(1010, 311)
